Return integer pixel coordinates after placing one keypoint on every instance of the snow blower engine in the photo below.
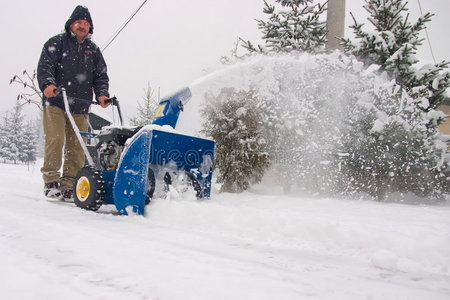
(135, 165)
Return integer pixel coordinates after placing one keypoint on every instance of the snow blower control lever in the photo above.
(115, 102)
(112, 100)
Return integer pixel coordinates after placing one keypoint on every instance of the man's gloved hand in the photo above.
(49, 91)
(101, 100)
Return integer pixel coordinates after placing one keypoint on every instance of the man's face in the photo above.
(80, 28)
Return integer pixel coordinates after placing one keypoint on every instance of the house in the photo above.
(444, 128)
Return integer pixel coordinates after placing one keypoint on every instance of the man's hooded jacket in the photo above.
(79, 68)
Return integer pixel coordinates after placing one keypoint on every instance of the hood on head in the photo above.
(80, 13)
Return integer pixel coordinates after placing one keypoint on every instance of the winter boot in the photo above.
(68, 196)
(51, 190)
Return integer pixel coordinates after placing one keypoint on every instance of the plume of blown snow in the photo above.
(332, 124)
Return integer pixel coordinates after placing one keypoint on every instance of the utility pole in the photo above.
(335, 24)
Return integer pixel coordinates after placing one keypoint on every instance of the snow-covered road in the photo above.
(256, 245)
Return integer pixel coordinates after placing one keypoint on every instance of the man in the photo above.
(70, 60)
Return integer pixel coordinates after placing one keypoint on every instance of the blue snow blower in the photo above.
(138, 164)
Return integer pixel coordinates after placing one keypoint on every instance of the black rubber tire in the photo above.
(151, 186)
(89, 188)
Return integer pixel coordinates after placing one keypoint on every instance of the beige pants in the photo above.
(59, 133)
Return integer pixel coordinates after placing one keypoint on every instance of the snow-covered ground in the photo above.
(257, 245)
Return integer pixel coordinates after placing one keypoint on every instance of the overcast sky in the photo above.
(168, 43)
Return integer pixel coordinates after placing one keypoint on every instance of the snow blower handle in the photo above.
(115, 102)
(75, 127)
(112, 100)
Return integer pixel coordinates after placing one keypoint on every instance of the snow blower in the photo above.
(139, 163)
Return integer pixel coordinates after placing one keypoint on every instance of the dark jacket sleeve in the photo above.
(101, 79)
(47, 63)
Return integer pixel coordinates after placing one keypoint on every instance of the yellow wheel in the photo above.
(89, 187)
(83, 188)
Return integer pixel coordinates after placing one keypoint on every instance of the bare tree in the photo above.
(228, 60)
(32, 94)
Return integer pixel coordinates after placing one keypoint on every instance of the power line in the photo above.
(426, 33)
(111, 39)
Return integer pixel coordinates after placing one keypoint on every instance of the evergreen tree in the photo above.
(295, 26)
(393, 45)
(29, 146)
(40, 136)
(147, 110)
(17, 139)
(234, 122)
(15, 134)
(4, 129)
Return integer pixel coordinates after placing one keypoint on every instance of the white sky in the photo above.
(168, 43)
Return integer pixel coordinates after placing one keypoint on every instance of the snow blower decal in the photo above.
(189, 154)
